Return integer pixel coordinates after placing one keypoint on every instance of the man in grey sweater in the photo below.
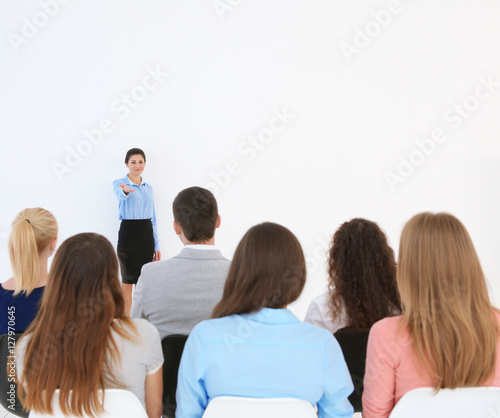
(176, 294)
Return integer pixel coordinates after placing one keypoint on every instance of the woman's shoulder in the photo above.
(214, 324)
(390, 330)
(34, 296)
(8, 285)
(120, 180)
(21, 343)
(389, 323)
(219, 329)
(146, 331)
(144, 326)
(497, 313)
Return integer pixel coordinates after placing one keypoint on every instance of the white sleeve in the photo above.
(317, 313)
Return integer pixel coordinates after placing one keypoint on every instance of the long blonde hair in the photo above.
(71, 345)
(445, 301)
(32, 231)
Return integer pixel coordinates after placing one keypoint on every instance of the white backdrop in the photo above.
(306, 112)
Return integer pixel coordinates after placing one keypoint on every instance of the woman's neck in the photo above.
(43, 275)
(135, 179)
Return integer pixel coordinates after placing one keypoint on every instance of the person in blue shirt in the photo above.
(32, 242)
(254, 346)
(138, 235)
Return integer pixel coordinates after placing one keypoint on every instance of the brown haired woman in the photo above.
(361, 278)
(255, 347)
(138, 235)
(448, 334)
(81, 340)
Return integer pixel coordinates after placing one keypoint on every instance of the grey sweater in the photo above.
(175, 294)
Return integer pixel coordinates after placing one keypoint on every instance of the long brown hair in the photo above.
(268, 270)
(70, 342)
(33, 229)
(362, 274)
(445, 301)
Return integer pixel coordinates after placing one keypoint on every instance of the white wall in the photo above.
(358, 104)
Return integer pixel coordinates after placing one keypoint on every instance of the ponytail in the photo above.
(32, 231)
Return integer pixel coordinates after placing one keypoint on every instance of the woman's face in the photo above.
(136, 165)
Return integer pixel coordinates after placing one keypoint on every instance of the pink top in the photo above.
(391, 371)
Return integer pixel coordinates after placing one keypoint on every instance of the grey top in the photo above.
(139, 358)
(176, 294)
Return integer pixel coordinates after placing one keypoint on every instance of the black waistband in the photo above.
(136, 221)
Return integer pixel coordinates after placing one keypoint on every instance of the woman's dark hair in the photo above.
(134, 151)
(362, 274)
(268, 270)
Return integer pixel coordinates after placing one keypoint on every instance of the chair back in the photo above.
(8, 388)
(118, 403)
(457, 403)
(235, 406)
(353, 342)
(173, 346)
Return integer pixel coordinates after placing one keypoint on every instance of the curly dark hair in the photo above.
(362, 274)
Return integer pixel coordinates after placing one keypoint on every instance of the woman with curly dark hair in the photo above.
(361, 279)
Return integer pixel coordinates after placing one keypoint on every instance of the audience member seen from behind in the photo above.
(32, 241)
(448, 334)
(82, 341)
(254, 346)
(176, 294)
(361, 279)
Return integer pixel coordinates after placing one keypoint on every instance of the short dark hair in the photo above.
(134, 151)
(268, 271)
(195, 210)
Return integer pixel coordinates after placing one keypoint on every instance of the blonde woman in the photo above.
(448, 334)
(32, 241)
(82, 341)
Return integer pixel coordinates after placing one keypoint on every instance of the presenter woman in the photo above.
(138, 236)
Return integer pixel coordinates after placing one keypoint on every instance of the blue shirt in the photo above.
(265, 354)
(18, 311)
(136, 205)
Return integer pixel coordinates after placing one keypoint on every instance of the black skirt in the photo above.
(136, 247)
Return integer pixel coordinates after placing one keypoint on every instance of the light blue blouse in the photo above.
(136, 205)
(266, 354)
